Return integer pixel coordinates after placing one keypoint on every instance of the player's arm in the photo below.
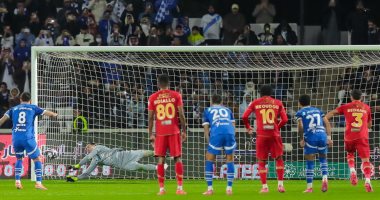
(90, 168)
(182, 120)
(50, 113)
(4, 119)
(328, 130)
(206, 126)
(85, 160)
(331, 114)
(300, 132)
(150, 125)
(245, 118)
(284, 117)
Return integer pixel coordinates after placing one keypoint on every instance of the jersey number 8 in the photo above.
(21, 117)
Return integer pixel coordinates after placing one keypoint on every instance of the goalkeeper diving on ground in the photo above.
(116, 157)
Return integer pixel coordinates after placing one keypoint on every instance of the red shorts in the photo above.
(266, 145)
(360, 145)
(172, 143)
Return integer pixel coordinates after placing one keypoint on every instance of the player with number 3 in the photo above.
(165, 107)
(23, 116)
(358, 121)
(268, 139)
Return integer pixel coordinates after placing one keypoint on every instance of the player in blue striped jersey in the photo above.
(314, 138)
(23, 116)
(219, 129)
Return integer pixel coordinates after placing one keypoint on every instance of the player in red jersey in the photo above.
(268, 139)
(165, 107)
(358, 121)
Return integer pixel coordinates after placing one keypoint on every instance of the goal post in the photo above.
(101, 95)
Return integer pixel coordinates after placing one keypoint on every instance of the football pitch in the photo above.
(147, 189)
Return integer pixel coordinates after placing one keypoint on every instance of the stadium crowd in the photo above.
(27, 23)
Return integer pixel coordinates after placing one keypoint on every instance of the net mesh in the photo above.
(102, 97)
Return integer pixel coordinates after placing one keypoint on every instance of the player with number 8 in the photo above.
(165, 107)
(268, 139)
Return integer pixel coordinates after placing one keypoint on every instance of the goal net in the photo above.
(101, 96)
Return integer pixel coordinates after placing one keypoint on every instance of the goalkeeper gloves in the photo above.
(71, 179)
(74, 167)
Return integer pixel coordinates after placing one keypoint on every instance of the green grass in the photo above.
(144, 189)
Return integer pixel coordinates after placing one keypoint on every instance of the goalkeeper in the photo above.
(117, 157)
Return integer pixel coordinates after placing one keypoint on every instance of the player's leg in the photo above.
(350, 148)
(214, 148)
(160, 147)
(322, 151)
(19, 149)
(309, 170)
(229, 147)
(363, 149)
(175, 149)
(138, 166)
(209, 170)
(276, 153)
(262, 151)
(34, 154)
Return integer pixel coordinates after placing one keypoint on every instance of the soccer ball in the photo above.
(51, 153)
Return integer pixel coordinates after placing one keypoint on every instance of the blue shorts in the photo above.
(30, 146)
(314, 147)
(220, 142)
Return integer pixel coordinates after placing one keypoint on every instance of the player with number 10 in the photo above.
(165, 107)
(23, 116)
(268, 139)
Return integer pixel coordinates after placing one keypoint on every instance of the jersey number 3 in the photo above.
(358, 120)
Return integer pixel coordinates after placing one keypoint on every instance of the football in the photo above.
(51, 153)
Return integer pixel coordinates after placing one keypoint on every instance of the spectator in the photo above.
(7, 67)
(344, 94)
(373, 33)
(148, 13)
(34, 24)
(14, 98)
(212, 24)
(53, 27)
(133, 40)
(97, 8)
(166, 37)
(71, 24)
(176, 41)
(184, 22)
(105, 27)
(266, 38)
(287, 33)
(115, 39)
(145, 25)
(83, 19)
(84, 38)
(248, 37)
(179, 33)
(264, 12)
(92, 26)
(357, 24)
(65, 39)
(233, 23)
(20, 16)
(67, 8)
(22, 52)
(130, 26)
(8, 39)
(153, 38)
(195, 39)
(5, 96)
(247, 99)
(165, 10)
(331, 24)
(140, 36)
(44, 9)
(25, 35)
(97, 41)
(44, 39)
(279, 40)
(113, 15)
